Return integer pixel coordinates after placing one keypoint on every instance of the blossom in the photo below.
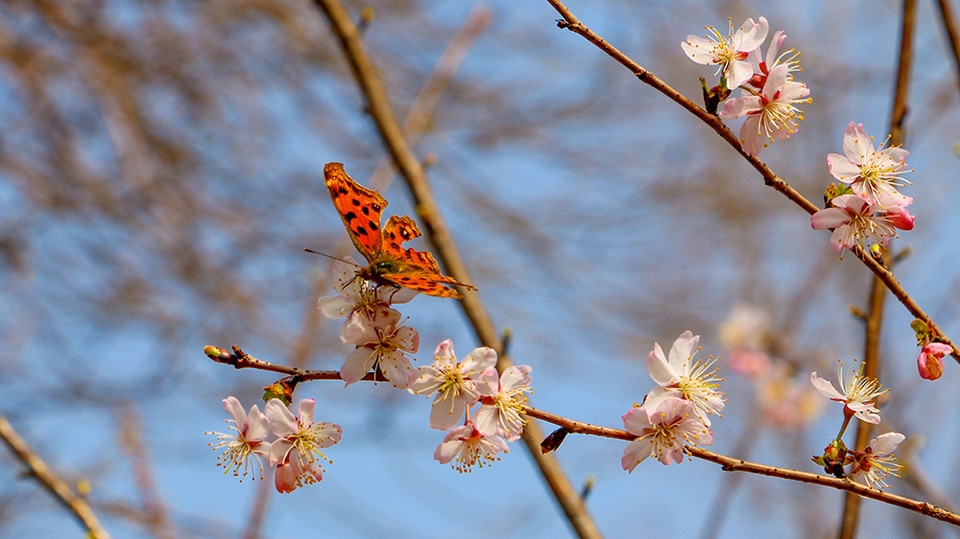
(297, 450)
(746, 332)
(679, 376)
(502, 397)
(858, 396)
(877, 461)
(454, 383)
(770, 114)
(784, 401)
(247, 444)
(469, 446)
(381, 344)
(729, 52)
(662, 431)
(773, 58)
(930, 361)
(854, 220)
(873, 174)
(356, 294)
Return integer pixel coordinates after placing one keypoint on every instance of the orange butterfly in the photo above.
(388, 262)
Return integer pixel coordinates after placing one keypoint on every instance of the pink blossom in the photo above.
(930, 362)
(244, 449)
(502, 398)
(297, 451)
(381, 343)
(772, 113)
(470, 447)
(858, 397)
(357, 294)
(454, 383)
(679, 376)
(729, 52)
(877, 461)
(662, 432)
(873, 174)
(854, 221)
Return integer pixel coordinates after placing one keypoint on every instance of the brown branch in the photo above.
(730, 464)
(51, 481)
(412, 171)
(950, 27)
(570, 22)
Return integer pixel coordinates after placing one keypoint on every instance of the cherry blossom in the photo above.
(297, 450)
(770, 114)
(930, 361)
(247, 444)
(662, 431)
(873, 173)
(679, 376)
(730, 52)
(854, 221)
(469, 447)
(858, 397)
(381, 343)
(877, 461)
(502, 397)
(455, 383)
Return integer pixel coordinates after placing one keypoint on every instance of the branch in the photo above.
(51, 481)
(570, 22)
(412, 171)
(730, 464)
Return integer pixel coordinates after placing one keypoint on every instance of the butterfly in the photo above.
(388, 263)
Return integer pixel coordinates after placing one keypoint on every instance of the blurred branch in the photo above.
(411, 169)
(56, 486)
(950, 27)
(731, 464)
(874, 318)
(131, 440)
(570, 22)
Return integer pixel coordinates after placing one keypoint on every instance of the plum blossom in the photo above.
(245, 449)
(469, 447)
(877, 461)
(930, 361)
(770, 114)
(297, 450)
(454, 383)
(854, 221)
(381, 343)
(729, 52)
(679, 376)
(858, 397)
(873, 173)
(763, 66)
(502, 397)
(662, 431)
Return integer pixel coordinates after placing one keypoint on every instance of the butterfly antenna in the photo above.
(331, 257)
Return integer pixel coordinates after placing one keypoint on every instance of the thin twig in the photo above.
(412, 171)
(570, 22)
(950, 27)
(731, 464)
(51, 481)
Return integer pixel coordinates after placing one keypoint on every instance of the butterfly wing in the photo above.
(359, 207)
(411, 268)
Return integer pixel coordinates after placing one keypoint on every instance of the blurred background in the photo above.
(161, 170)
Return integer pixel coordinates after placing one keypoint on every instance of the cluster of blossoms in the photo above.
(382, 344)
(459, 386)
(859, 398)
(769, 95)
(677, 411)
(783, 399)
(866, 206)
(295, 450)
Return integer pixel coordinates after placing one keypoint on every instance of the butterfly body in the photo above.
(388, 262)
